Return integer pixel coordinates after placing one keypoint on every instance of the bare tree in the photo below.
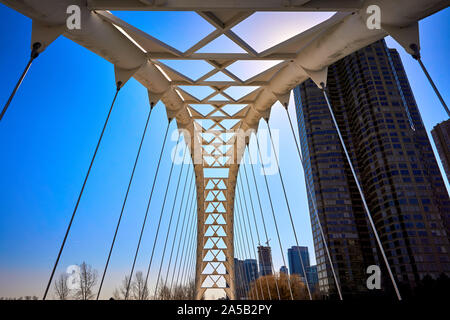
(180, 292)
(140, 291)
(88, 279)
(120, 293)
(164, 293)
(190, 290)
(139, 287)
(62, 291)
(117, 295)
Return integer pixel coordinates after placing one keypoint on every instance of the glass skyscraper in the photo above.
(393, 159)
(295, 264)
(251, 270)
(245, 272)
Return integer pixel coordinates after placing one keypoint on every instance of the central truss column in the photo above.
(214, 159)
(215, 250)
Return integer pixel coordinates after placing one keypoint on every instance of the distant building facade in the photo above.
(295, 263)
(265, 260)
(441, 137)
(284, 270)
(239, 279)
(245, 272)
(251, 270)
(312, 277)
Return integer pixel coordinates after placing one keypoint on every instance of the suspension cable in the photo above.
(237, 253)
(244, 199)
(238, 246)
(237, 288)
(124, 202)
(119, 85)
(289, 209)
(193, 254)
(34, 55)
(251, 202)
(245, 251)
(336, 281)
(244, 227)
(241, 252)
(170, 220)
(194, 243)
(417, 57)
(146, 212)
(239, 197)
(185, 256)
(190, 254)
(254, 219)
(263, 220)
(249, 228)
(183, 234)
(191, 263)
(369, 216)
(178, 220)
(273, 213)
(188, 200)
(162, 212)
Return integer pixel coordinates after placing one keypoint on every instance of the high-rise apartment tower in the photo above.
(393, 159)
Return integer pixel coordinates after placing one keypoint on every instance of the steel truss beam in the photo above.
(138, 54)
(210, 5)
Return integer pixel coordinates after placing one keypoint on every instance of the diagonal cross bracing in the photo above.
(215, 149)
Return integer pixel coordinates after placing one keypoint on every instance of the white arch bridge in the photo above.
(212, 120)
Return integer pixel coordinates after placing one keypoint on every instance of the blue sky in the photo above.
(49, 133)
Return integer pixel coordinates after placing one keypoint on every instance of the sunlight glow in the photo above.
(263, 30)
(222, 44)
(246, 69)
(129, 38)
(163, 72)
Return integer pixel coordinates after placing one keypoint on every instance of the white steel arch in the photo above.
(212, 120)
